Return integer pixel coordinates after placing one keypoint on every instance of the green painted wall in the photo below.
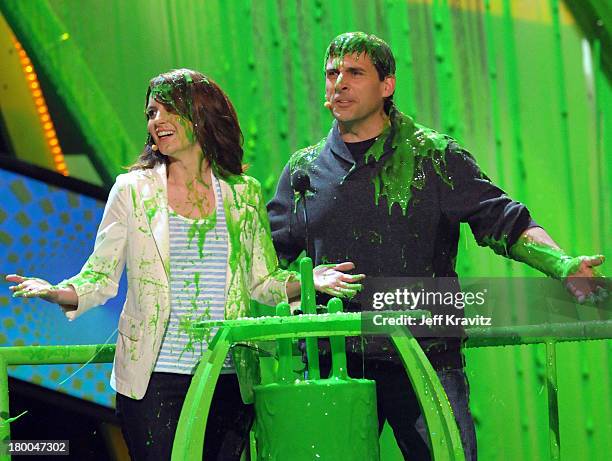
(532, 105)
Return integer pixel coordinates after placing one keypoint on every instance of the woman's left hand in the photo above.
(331, 279)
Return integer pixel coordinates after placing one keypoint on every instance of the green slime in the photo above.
(358, 43)
(412, 144)
(551, 261)
(402, 171)
(200, 228)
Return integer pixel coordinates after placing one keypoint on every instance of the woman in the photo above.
(193, 232)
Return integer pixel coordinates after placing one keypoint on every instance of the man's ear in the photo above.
(388, 86)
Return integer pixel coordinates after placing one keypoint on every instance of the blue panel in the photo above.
(48, 232)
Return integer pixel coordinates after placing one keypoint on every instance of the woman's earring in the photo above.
(154, 147)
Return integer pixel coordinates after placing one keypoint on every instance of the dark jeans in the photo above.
(398, 404)
(148, 425)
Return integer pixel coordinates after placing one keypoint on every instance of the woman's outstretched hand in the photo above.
(331, 279)
(32, 287)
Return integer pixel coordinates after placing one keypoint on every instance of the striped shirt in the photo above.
(198, 264)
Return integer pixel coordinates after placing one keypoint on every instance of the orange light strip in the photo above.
(42, 109)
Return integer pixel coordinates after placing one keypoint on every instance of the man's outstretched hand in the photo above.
(584, 281)
(332, 279)
(579, 274)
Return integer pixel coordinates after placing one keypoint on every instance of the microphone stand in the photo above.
(303, 196)
(300, 183)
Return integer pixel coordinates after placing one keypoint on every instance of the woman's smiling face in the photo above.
(171, 133)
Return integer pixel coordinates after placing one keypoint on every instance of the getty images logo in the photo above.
(410, 299)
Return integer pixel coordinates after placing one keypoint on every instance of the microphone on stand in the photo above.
(300, 183)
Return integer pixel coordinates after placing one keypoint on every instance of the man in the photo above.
(389, 195)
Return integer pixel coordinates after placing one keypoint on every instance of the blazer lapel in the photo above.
(227, 195)
(235, 204)
(154, 196)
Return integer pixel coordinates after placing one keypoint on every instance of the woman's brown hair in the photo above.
(200, 100)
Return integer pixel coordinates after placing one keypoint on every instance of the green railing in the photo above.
(43, 355)
(291, 327)
(550, 335)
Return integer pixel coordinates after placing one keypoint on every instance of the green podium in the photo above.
(333, 418)
(322, 419)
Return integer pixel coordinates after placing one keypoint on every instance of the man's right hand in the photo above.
(331, 279)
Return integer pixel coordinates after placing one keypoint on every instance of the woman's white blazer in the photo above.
(134, 233)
